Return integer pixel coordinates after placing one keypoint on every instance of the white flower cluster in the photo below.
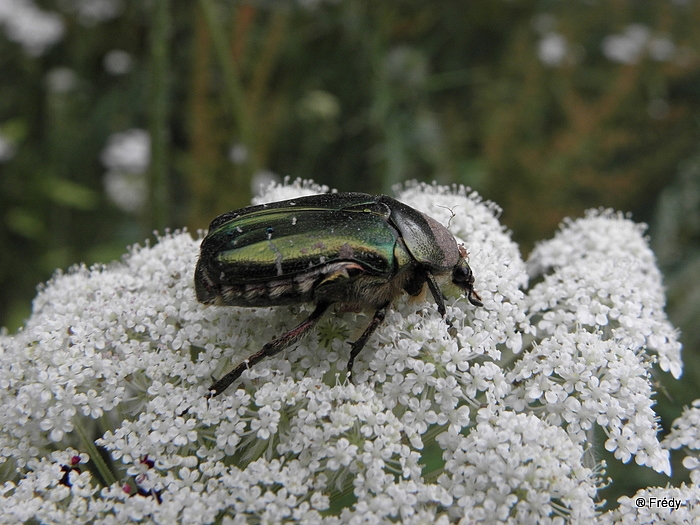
(657, 505)
(127, 156)
(636, 40)
(7, 147)
(685, 433)
(605, 256)
(483, 419)
(33, 28)
(598, 313)
(92, 12)
(552, 49)
(627, 47)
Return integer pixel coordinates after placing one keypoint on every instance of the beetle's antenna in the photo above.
(452, 213)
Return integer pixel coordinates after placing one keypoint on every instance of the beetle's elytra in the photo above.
(356, 250)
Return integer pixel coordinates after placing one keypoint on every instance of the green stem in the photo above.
(235, 94)
(107, 476)
(157, 214)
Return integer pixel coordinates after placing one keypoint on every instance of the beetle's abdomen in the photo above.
(300, 288)
(278, 257)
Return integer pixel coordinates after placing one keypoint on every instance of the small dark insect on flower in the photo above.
(356, 250)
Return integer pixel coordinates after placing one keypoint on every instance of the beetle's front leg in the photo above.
(273, 347)
(440, 301)
(358, 345)
(437, 294)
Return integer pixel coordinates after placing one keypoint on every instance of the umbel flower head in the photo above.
(486, 419)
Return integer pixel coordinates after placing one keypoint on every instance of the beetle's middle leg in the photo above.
(273, 347)
(358, 345)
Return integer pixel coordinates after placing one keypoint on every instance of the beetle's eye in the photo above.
(462, 275)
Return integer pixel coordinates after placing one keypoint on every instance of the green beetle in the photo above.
(357, 250)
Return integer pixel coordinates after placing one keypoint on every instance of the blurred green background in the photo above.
(120, 117)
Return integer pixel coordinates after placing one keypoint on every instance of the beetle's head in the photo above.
(463, 277)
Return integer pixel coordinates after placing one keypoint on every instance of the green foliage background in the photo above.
(358, 95)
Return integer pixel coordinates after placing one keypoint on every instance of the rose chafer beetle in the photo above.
(352, 249)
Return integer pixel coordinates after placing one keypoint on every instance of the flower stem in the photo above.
(105, 472)
(159, 103)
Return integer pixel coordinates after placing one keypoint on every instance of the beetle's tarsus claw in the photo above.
(213, 390)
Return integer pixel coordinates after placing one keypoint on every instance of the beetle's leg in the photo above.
(358, 345)
(273, 347)
(437, 294)
(439, 299)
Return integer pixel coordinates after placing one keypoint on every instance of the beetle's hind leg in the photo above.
(358, 345)
(273, 347)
